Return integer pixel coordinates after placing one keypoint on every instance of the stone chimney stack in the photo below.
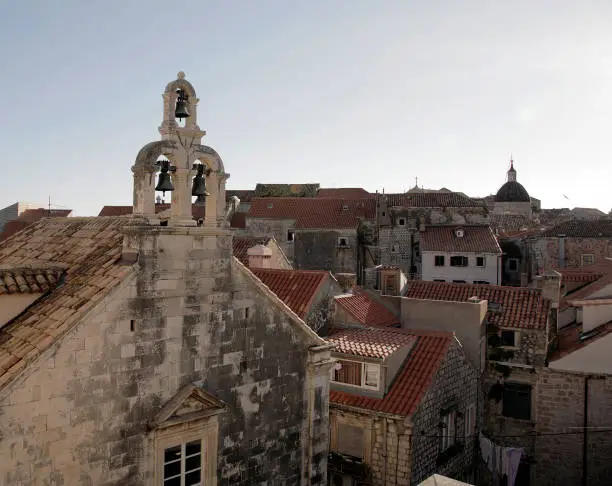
(550, 283)
(260, 256)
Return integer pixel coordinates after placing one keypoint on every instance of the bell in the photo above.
(199, 186)
(163, 182)
(180, 110)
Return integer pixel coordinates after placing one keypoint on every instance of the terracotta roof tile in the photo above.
(313, 212)
(243, 243)
(581, 229)
(25, 280)
(197, 211)
(475, 239)
(296, 288)
(600, 278)
(521, 308)
(366, 310)
(369, 343)
(345, 193)
(431, 200)
(412, 381)
(86, 250)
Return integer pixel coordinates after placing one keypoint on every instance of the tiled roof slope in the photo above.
(601, 277)
(89, 249)
(197, 211)
(412, 382)
(369, 343)
(569, 339)
(475, 239)
(366, 310)
(431, 200)
(581, 229)
(521, 308)
(296, 288)
(32, 215)
(242, 245)
(345, 193)
(28, 280)
(12, 227)
(315, 213)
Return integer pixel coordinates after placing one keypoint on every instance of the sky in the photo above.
(345, 93)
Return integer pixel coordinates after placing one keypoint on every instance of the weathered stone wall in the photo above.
(520, 208)
(279, 228)
(455, 385)
(321, 313)
(532, 347)
(319, 250)
(387, 444)
(79, 414)
(548, 255)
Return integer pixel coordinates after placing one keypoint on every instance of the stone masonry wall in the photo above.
(79, 414)
(455, 385)
(279, 228)
(319, 250)
(546, 251)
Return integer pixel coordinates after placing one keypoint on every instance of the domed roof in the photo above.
(512, 191)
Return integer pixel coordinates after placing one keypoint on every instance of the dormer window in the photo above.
(345, 207)
(354, 373)
(459, 233)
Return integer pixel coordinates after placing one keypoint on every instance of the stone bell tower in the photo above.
(182, 145)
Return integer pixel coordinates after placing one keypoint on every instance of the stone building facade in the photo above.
(156, 357)
(400, 439)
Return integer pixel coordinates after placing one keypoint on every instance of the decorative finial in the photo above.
(180, 75)
(511, 162)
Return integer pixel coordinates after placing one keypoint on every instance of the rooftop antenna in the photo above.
(49, 207)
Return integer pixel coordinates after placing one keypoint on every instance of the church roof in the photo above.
(512, 191)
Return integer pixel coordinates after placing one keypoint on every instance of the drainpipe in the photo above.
(585, 433)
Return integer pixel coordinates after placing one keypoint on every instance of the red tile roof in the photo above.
(314, 212)
(431, 200)
(569, 339)
(411, 382)
(369, 343)
(12, 227)
(28, 217)
(600, 278)
(89, 249)
(521, 308)
(197, 211)
(242, 245)
(475, 239)
(25, 280)
(581, 229)
(366, 310)
(296, 288)
(345, 193)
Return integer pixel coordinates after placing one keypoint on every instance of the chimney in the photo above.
(550, 283)
(260, 256)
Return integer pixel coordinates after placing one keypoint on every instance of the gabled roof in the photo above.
(89, 250)
(315, 212)
(475, 239)
(595, 277)
(520, 307)
(243, 243)
(197, 211)
(345, 193)
(296, 288)
(581, 229)
(431, 200)
(366, 310)
(412, 381)
(28, 280)
(369, 343)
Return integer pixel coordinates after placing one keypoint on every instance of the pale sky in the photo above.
(345, 93)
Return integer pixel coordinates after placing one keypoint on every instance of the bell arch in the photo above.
(170, 96)
(215, 184)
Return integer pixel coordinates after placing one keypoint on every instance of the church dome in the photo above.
(512, 191)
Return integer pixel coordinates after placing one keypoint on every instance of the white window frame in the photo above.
(449, 430)
(205, 431)
(590, 256)
(364, 367)
(470, 420)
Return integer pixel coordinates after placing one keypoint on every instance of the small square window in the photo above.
(439, 260)
(383, 213)
(480, 261)
(393, 248)
(459, 261)
(290, 235)
(343, 242)
(508, 338)
(402, 222)
(517, 401)
(587, 259)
